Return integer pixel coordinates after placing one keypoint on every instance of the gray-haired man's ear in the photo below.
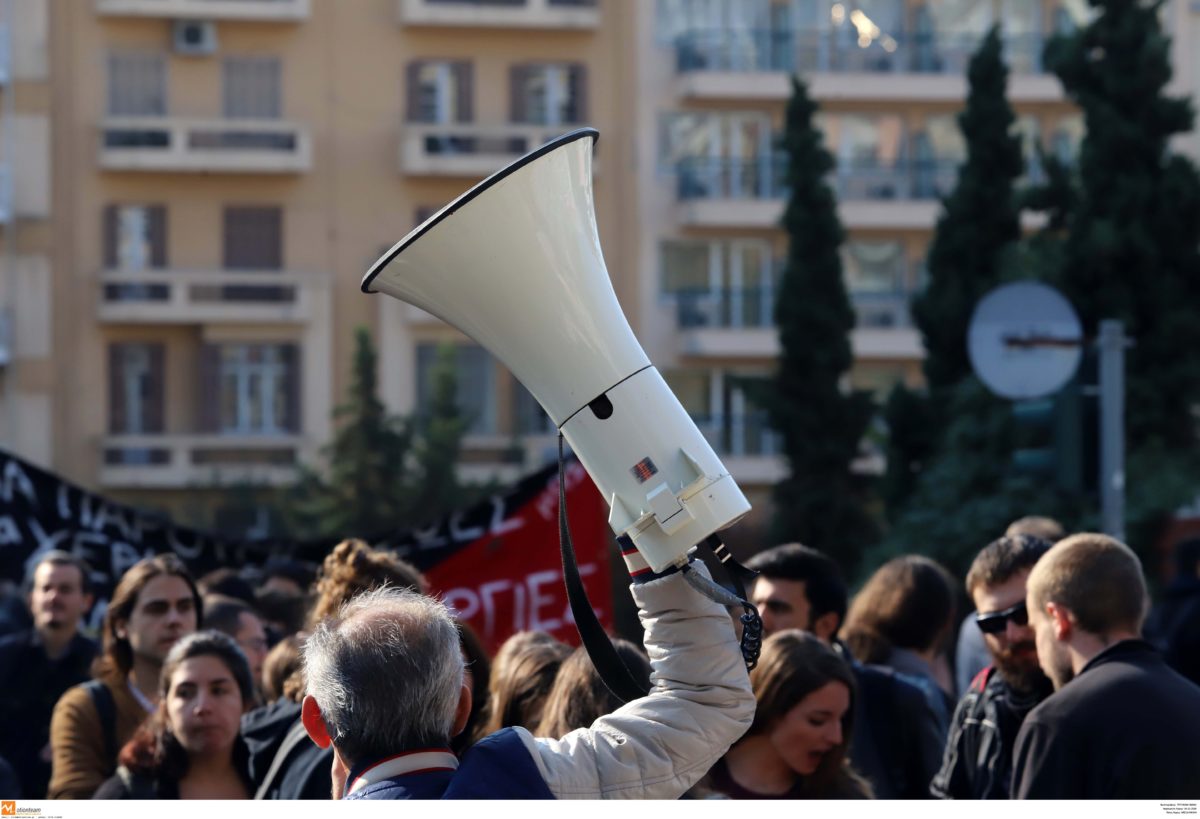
(462, 713)
(314, 723)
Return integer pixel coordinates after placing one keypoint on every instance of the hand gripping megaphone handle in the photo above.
(613, 672)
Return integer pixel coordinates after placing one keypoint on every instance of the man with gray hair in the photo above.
(1121, 723)
(385, 688)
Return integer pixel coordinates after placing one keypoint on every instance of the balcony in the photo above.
(282, 11)
(570, 15)
(723, 193)
(468, 149)
(195, 297)
(210, 145)
(187, 461)
(746, 444)
(758, 64)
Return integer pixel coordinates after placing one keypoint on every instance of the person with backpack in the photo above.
(155, 603)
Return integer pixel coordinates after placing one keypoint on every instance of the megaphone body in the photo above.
(515, 264)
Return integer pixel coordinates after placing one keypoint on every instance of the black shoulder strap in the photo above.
(612, 670)
(295, 735)
(102, 699)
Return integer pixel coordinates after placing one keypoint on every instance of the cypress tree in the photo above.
(820, 502)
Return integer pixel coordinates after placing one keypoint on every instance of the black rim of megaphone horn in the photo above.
(465, 198)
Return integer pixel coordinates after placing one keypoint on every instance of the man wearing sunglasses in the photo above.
(978, 760)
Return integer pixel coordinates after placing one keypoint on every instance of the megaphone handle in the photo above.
(613, 672)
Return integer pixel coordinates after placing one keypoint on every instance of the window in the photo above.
(552, 94)
(250, 87)
(719, 403)
(135, 237)
(135, 394)
(475, 385)
(720, 284)
(253, 238)
(137, 85)
(439, 91)
(875, 278)
(252, 389)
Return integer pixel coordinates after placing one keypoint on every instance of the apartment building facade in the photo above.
(226, 170)
(216, 175)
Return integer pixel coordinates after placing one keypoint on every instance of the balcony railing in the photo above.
(190, 297)
(469, 149)
(169, 461)
(724, 307)
(261, 10)
(839, 50)
(763, 178)
(882, 310)
(542, 14)
(222, 145)
(739, 435)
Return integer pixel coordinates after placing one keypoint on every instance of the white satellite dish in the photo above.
(1025, 340)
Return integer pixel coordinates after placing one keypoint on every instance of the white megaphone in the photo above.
(515, 263)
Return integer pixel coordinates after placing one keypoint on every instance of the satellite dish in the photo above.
(1025, 340)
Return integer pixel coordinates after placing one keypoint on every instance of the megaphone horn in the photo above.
(515, 264)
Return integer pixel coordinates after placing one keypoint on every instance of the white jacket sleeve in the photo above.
(660, 745)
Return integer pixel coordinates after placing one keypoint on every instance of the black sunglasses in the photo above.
(997, 621)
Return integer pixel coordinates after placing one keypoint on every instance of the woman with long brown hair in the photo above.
(796, 746)
(191, 748)
(579, 697)
(523, 673)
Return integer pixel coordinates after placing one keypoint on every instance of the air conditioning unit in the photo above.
(194, 38)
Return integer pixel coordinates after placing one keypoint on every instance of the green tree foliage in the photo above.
(1132, 250)
(979, 220)
(820, 502)
(383, 474)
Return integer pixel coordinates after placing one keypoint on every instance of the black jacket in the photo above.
(978, 759)
(1175, 627)
(1128, 727)
(30, 685)
(896, 744)
(304, 772)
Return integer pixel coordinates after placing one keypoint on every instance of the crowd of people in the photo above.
(350, 680)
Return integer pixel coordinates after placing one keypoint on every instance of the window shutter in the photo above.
(210, 388)
(292, 420)
(412, 90)
(577, 81)
(154, 399)
(156, 217)
(110, 236)
(518, 77)
(464, 76)
(116, 389)
(253, 238)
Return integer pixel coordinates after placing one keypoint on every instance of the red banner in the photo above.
(509, 578)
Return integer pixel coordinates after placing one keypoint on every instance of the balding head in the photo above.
(387, 673)
(1097, 579)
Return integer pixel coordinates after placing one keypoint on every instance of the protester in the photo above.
(1121, 724)
(231, 616)
(523, 673)
(897, 743)
(971, 654)
(288, 576)
(385, 690)
(283, 763)
(38, 665)
(796, 746)
(983, 731)
(191, 747)
(477, 670)
(155, 603)
(284, 613)
(579, 696)
(901, 618)
(1174, 624)
(226, 582)
(282, 662)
